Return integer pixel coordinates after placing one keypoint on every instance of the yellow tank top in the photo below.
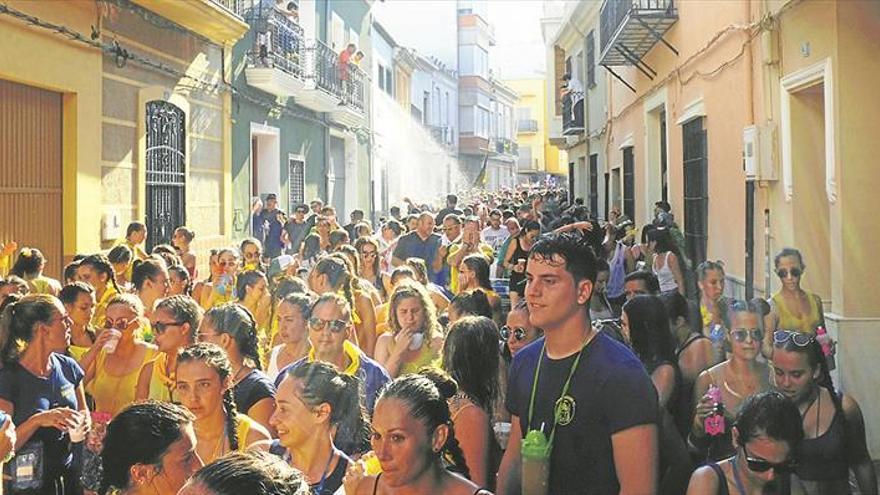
(112, 393)
(788, 321)
(242, 430)
(427, 357)
(161, 385)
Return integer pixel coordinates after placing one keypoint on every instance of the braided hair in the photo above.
(235, 320)
(101, 264)
(213, 356)
(427, 394)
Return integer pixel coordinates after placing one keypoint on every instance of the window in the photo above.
(482, 123)
(696, 182)
(296, 171)
(337, 32)
(388, 81)
(629, 184)
(525, 158)
(591, 60)
(594, 184)
(381, 76)
(165, 170)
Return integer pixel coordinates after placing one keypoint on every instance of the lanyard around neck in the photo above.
(571, 371)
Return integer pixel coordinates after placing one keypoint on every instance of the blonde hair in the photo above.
(411, 290)
(132, 301)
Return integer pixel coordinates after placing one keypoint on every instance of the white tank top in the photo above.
(664, 275)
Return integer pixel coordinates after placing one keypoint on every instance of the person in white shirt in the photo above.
(495, 234)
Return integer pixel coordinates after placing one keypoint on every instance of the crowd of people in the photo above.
(508, 342)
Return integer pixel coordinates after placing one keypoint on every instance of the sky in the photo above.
(429, 26)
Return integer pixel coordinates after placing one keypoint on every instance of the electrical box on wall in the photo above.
(759, 152)
(111, 226)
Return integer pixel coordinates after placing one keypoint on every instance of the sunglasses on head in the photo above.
(763, 465)
(799, 339)
(336, 326)
(794, 272)
(518, 333)
(740, 334)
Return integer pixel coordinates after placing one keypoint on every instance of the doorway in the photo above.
(265, 160)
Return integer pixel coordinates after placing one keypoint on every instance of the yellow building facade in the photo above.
(537, 157)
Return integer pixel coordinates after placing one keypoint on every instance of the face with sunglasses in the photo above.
(518, 332)
(328, 329)
(170, 333)
(761, 459)
(745, 335)
(789, 270)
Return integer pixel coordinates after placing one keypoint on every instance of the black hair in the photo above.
(215, 358)
(236, 321)
(664, 241)
(480, 265)
(247, 279)
(646, 232)
(17, 322)
(134, 227)
(649, 332)
(186, 233)
(70, 271)
(183, 309)
(71, 292)
(322, 383)
(394, 225)
(29, 263)
(140, 434)
(470, 356)
(649, 279)
(144, 270)
(101, 264)
(786, 252)
(252, 472)
(303, 302)
(183, 274)
(602, 265)
(571, 247)
(530, 225)
(311, 246)
(770, 414)
(338, 275)
(120, 254)
(337, 238)
(426, 394)
(474, 303)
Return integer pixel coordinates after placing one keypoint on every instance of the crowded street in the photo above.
(465, 247)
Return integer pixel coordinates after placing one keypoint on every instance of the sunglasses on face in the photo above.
(780, 337)
(252, 256)
(740, 334)
(518, 333)
(794, 272)
(763, 465)
(161, 326)
(336, 326)
(368, 254)
(120, 324)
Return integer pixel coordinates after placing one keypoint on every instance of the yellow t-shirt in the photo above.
(111, 392)
(161, 385)
(483, 248)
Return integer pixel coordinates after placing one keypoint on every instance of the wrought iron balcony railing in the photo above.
(630, 28)
(572, 114)
(504, 146)
(353, 86)
(323, 67)
(278, 40)
(527, 125)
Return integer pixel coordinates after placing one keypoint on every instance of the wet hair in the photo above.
(770, 414)
(426, 394)
(351, 254)
(71, 292)
(646, 232)
(649, 332)
(213, 356)
(253, 472)
(480, 266)
(707, 265)
(311, 246)
(236, 321)
(470, 356)
(664, 241)
(134, 227)
(29, 263)
(22, 286)
(394, 225)
(419, 269)
(120, 254)
(473, 303)
(409, 290)
(183, 309)
(336, 300)
(572, 247)
(140, 434)
(338, 274)
(18, 320)
(167, 254)
(183, 274)
(322, 383)
(250, 241)
(101, 264)
(144, 270)
(648, 278)
(246, 280)
(131, 301)
(786, 252)
(337, 238)
(302, 302)
(186, 233)
(70, 271)
(403, 271)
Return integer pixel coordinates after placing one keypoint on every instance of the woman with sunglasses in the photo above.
(320, 415)
(112, 378)
(792, 308)
(518, 332)
(174, 324)
(203, 384)
(415, 339)
(251, 255)
(220, 288)
(834, 430)
(232, 327)
(369, 270)
(766, 435)
(731, 381)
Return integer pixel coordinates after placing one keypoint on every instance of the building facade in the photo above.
(538, 159)
(751, 112)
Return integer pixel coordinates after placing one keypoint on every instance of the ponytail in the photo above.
(101, 264)
(19, 316)
(235, 320)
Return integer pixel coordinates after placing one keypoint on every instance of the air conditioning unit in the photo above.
(759, 152)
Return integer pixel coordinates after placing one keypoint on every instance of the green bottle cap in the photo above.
(535, 445)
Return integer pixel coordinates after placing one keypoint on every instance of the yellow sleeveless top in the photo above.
(161, 385)
(242, 430)
(805, 324)
(427, 357)
(112, 393)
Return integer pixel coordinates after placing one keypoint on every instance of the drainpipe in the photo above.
(750, 184)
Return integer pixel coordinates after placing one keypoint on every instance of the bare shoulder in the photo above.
(703, 481)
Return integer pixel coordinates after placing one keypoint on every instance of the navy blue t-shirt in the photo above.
(412, 246)
(611, 393)
(30, 394)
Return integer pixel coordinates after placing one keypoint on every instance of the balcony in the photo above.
(572, 114)
(503, 146)
(350, 111)
(275, 63)
(216, 20)
(630, 28)
(323, 89)
(526, 126)
(442, 134)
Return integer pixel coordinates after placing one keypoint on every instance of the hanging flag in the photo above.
(483, 176)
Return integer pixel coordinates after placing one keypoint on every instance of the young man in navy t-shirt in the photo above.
(605, 421)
